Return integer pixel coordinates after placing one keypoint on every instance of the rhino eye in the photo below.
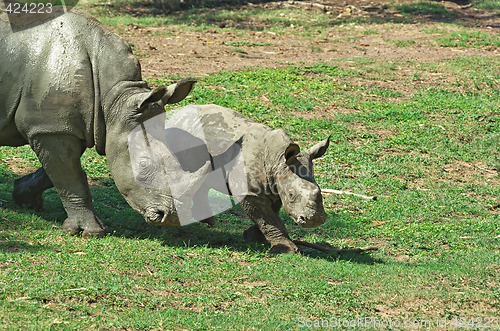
(145, 163)
(291, 196)
(146, 171)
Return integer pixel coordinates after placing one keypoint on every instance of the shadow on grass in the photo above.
(13, 222)
(121, 221)
(18, 246)
(345, 227)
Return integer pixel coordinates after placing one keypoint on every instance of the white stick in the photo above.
(326, 190)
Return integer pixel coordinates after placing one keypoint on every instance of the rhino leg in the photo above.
(28, 189)
(253, 234)
(262, 212)
(201, 207)
(60, 157)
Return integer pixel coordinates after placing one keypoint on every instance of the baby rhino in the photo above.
(260, 167)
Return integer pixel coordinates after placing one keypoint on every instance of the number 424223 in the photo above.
(29, 8)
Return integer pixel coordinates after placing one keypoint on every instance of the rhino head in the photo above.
(295, 184)
(136, 155)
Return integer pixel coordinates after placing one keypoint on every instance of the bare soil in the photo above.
(165, 50)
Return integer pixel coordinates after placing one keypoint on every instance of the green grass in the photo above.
(429, 157)
(247, 44)
(371, 31)
(487, 4)
(423, 8)
(468, 38)
(429, 149)
(223, 16)
(199, 19)
(404, 43)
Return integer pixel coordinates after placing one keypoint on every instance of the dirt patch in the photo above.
(442, 293)
(478, 173)
(202, 53)
(12, 249)
(165, 50)
(18, 166)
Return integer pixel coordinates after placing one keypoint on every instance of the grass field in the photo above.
(426, 143)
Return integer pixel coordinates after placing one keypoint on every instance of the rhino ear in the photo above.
(144, 100)
(178, 91)
(291, 152)
(319, 149)
(151, 96)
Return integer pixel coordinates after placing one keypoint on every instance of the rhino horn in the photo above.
(318, 150)
(189, 184)
(178, 91)
(193, 181)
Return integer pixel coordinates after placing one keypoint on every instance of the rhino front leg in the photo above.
(267, 224)
(201, 207)
(28, 189)
(60, 157)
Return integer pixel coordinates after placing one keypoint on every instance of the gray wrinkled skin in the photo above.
(156, 169)
(67, 84)
(275, 172)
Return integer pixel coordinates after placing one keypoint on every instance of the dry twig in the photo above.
(310, 5)
(326, 190)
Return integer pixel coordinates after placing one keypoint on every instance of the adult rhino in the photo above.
(67, 84)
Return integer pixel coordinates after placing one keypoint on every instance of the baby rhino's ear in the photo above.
(282, 146)
(291, 152)
(319, 149)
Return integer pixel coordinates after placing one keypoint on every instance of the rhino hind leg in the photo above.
(60, 157)
(28, 189)
(210, 221)
(253, 234)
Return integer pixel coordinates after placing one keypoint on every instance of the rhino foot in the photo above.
(253, 234)
(210, 221)
(90, 228)
(284, 248)
(28, 189)
(27, 200)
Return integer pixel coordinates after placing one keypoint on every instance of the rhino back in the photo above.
(256, 139)
(220, 123)
(54, 76)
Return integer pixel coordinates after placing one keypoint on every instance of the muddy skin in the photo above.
(272, 172)
(67, 84)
